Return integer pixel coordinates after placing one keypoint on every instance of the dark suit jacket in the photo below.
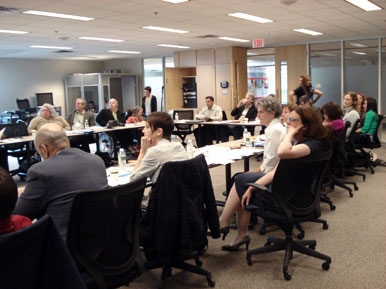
(51, 185)
(251, 114)
(105, 115)
(179, 213)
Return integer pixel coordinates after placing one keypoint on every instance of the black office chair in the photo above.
(297, 188)
(21, 151)
(103, 234)
(372, 141)
(36, 257)
(174, 226)
(183, 129)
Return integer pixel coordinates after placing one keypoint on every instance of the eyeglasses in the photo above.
(291, 119)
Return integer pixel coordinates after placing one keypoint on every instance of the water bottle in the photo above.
(190, 149)
(122, 158)
(86, 125)
(248, 140)
(245, 135)
(176, 116)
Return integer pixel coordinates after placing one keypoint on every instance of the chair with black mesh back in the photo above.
(22, 150)
(372, 141)
(297, 188)
(183, 129)
(103, 234)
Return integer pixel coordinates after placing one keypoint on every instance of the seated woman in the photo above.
(350, 109)
(305, 130)
(332, 115)
(245, 109)
(157, 147)
(362, 107)
(47, 114)
(371, 122)
(8, 197)
(136, 115)
(286, 109)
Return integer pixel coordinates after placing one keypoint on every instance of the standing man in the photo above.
(206, 134)
(149, 102)
(78, 120)
(111, 113)
(51, 184)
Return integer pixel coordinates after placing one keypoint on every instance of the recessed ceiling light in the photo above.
(365, 5)
(58, 15)
(51, 47)
(101, 39)
(173, 46)
(307, 31)
(166, 29)
(359, 45)
(124, 51)
(13, 32)
(359, 53)
(250, 17)
(234, 39)
(176, 1)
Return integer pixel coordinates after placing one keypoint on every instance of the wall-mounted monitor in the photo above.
(44, 97)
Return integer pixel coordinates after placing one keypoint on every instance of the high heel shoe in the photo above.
(236, 246)
(224, 231)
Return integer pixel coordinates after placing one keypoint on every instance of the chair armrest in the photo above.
(260, 189)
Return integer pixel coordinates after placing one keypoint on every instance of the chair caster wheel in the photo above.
(300, 236)
(287, 276)
(312, 247)
(351, 194)
(262, 231)
(332, 208)
(325, 226)
(326, 266)
(356, 188)
(211, 282)
(249, 260)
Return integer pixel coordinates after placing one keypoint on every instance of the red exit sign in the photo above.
(258, 43)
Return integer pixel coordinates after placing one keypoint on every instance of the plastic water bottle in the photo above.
(248, 140)
(122, 158)
(245, 135)
(176, 116)
(190, 149)
(86, 124)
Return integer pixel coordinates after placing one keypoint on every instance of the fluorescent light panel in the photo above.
(234, 39)
(124, 51)
(307, 31)
(365, 5)
(58, 15)
(173, 46)
(166, 29)
(250, 17)
(51, 47)
(358, 45)
(359, 53)
(101, 39)
(13, 32)
(176, 1)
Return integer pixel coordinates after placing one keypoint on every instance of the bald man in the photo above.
(51, 184)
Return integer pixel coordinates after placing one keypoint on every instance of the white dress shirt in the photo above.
(215, 113)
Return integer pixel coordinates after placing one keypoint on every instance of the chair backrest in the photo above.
(224, 115)
(23, 104)
(18, 129)
(103, 233)
(297, 185)
(183, 114)
(376, 141)
(36, 257)
(181, 207)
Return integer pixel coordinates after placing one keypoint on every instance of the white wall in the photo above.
(22, 78)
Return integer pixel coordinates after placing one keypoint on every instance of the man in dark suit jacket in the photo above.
(51, 184)
(111, 113)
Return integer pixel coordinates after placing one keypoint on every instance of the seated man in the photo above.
(81, 119)
(51, 184)
(206, 134)
(8, 197)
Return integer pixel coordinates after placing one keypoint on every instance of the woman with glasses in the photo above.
(47, 114)
(305, 132)
(350, 108)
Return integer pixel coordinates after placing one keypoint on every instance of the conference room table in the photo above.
(218, 124)
(96, 130)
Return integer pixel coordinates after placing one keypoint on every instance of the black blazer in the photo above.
(179, 213)
(251, 114)
(153, 104)
(105, 115)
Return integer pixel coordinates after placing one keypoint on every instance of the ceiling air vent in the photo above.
(63, 51)
(208, 36)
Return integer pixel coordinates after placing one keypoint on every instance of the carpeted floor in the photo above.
(355, 241)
